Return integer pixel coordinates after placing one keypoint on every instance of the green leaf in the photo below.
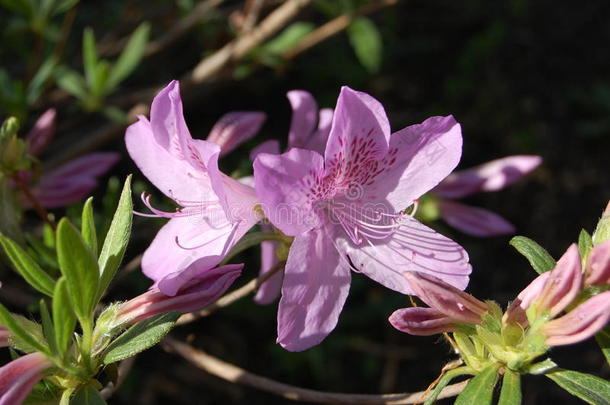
(367, 43)
(444, 381)
(511, 388)
(140, 337)
(89, 56)
(538, 257)
(542, 367)
(603, 340)
(10, 212)
(589, 388)
(47, 327)
(44, 254)
(117, 238)
(63, 315)
(74, 84)
(130, 57)
(88, 226)
(27, 267)
(288, 37)
(79, 267)
(88, 396)
(585, 244)
(36, 85)
(480, 389)
(26, 335)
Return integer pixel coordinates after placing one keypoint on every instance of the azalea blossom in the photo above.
(345, 211)
(491, 176)
(215, 210)
(19, 377)
(309, 129)
(598, 265)
(235, 128)
(68, 183)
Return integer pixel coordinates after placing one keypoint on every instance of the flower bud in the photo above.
(421, 321)
(19, 377)
(42, 132)
(598, 265)
(235, 128)
(516, 310)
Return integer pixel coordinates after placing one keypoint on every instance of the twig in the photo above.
(253, 10)
(231, 297)
(334, 27)
(124, 369)
(234, 374)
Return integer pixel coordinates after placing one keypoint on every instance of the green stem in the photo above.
(250, 240)
(445, 380)
(86, 346)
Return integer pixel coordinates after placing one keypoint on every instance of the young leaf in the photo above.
(79, 267)
(89, 56)
(511, 388)
(450, 375)
(589, 388)
(366, 41)
(63, 315)
(480, 389)
(603, 340)
(27, 267)
(88, 396)
(26, 338)
(130, 57)
(538, 257)
(140, 337)
(116, 239)
(585, 244)
(88, 226)
(47, 326)
(74, 84)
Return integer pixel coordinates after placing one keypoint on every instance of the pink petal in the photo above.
(474, 221)
(18, 377)
(412, 247)
(270, 289)
(421, 321)
(598, 265)
(360, 131)
(318, 139)
(41, 134)
(420, 156)
(490, 176)
(280, 184)
(517, 308)
(271, 146)
(563, 284)
(304, 117)
(580, 323)
(235, 128)
(316, 284)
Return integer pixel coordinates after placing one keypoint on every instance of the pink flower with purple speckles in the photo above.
(345, 211)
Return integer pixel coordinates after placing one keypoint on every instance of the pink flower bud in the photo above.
(199, 292)
(41, 134)
(563, 284)
(517, 308)
(235, 128)
(598, 265)
(581, 323)
(18, 377)
(446, 299)
(421, 321)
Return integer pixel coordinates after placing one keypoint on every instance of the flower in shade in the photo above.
(19, 377)
(68, 183)
(344, 210)
(206, 286)
(490, 176)
(309, 129)
(215, 210)
(235, 128)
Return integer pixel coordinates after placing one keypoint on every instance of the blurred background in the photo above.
(521, 76)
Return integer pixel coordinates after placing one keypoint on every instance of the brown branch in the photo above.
(231, 297)
(334, 27)
(230, 372)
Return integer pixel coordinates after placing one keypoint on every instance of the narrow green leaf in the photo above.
(367, 43)
(10, 211)
(27, 267)
(603, 340)
(288, 37)
(589, 388)
(36, 85)
(585, 244)
(19, 334)
(130, 57)
(443, 382)
(79, 267)
(88, 226)
(63, 315)
(542, 367)
(89, 56)
(511, 388)
(538, 257)
(140, 337)
(47, 326)
(116, 239)
(74, 84)
(44, 254)
(480, 389)
(88, 396)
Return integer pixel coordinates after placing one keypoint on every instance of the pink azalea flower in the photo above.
(206, 286)
(216, 210)
(490, 176)
(70, 182)
(235, 128)
(344, 210)
(598, 265)
(309, 129)
(19, 377)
